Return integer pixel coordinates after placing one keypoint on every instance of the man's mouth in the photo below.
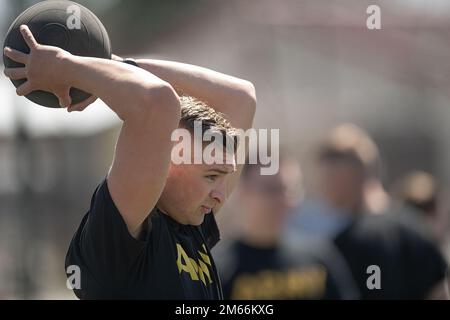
(206, 210)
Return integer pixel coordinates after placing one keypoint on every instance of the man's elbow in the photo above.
(163, 99)
(248, 94)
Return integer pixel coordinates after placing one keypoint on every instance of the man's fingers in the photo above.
(15, 73)
(15, 55)
(64, 101)
(64, 98)
(28, 36)
(24, 89)
(82, 105)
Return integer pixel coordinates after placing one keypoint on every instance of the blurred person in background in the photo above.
(348, 189)
(257, 264)
(344, 182)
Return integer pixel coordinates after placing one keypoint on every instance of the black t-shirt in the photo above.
(409, 262)
(280, 272)
(172, 261)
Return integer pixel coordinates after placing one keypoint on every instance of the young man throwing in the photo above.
(150, 225)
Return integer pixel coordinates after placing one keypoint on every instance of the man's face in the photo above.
(342, 184)
(269, 198)
(194, 190)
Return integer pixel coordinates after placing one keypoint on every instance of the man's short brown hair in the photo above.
(193, 110)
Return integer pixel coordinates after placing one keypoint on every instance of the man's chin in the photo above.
(199, 220)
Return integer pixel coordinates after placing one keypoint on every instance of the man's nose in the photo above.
(218, 193)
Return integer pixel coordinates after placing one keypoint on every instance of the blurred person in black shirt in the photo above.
(348, 194)
(258, 264)
(411, 265)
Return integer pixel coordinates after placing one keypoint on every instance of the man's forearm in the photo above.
(232, 96)
(122, 87)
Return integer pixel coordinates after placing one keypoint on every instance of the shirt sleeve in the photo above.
(104, 250)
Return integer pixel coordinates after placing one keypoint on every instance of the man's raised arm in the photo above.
(148, 106)
(232, 96)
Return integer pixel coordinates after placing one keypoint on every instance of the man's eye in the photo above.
(212, 177)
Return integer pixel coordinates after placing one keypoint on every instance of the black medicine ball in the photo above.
(63, 24)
